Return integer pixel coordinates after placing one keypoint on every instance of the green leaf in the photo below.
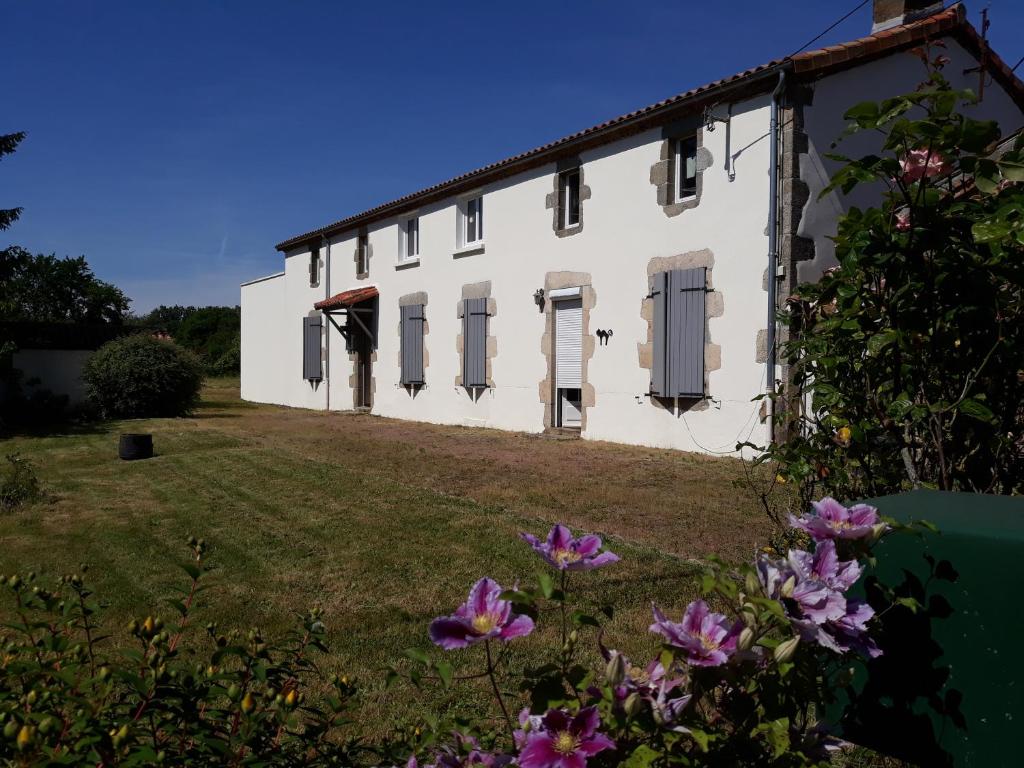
(641, 757)
(192, 570)
(417, 654)
(701, 738)
(547, 585)
(445, 672)
(976, 135)
(976, 410)
(990, 231)
(880, 341)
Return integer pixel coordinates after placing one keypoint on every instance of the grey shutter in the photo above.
(677, 368)
(474, 343)
(659, 361)
(311, 332)
(412, 344)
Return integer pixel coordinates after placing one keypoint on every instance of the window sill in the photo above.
(476, 246)
(406, 263)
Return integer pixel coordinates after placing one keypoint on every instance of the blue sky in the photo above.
(174, 143)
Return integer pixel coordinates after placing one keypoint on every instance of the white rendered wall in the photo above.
(57, 370)
(624, 228)
(823, 122)
(264, 341)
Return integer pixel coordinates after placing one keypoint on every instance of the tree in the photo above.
(213, 333)
(911, 351)
(44, 288)
(8, 143)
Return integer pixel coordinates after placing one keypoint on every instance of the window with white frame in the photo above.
(409, 239)
(686, 168)
(363, 255)
(569, 199)
(471, 222)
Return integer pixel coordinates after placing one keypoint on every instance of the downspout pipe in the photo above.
(775, 142)
(326, 243)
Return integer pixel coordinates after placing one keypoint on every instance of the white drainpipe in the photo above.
(327, 341)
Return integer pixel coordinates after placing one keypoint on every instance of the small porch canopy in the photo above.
(344, 303)
(346, 299)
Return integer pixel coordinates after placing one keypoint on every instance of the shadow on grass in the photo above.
(77, 428)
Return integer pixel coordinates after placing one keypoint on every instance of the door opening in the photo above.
(568, 363)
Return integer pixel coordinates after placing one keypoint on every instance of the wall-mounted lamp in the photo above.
(710, 118)
(538, 298)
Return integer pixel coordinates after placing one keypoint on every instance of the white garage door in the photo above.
(569, 344)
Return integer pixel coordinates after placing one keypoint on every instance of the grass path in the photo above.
(351, 514)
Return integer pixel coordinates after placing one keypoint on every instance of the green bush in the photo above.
(139, 377)
(18, 483)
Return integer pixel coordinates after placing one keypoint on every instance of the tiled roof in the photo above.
(806, 66)
(347, 298)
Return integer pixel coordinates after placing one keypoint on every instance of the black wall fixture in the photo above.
(603, 336)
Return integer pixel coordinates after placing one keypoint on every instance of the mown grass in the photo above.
(382, 524)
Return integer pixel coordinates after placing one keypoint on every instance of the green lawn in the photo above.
(383, 524)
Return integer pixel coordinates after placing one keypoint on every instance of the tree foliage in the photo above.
(142, 377)
(213, 333)
(8, 143)
(44, 288)
(907, 359)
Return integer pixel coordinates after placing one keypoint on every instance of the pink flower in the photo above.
(709, 639)
(565, 553)
(923, 163)
(562, 741)
(903, 221)
(484, 616)
(831, 520)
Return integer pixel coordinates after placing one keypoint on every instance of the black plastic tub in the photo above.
(134, 446)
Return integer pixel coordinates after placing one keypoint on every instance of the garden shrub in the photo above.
(18, 483)
(742, 679)
(906, 361)
(141, 377)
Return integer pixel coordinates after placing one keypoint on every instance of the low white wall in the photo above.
(57, 370)
(263, 345)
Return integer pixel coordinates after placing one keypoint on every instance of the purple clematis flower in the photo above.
(825, 566)
(484, 616)
(564, 741)
(565, 553)
(805, 599)
(850, 632)
(831, 520)
(708, 638)
(651, 683)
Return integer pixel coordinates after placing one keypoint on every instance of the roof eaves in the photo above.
(809, 64)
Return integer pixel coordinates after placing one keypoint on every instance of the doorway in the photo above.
(568, 323)
(364, 371)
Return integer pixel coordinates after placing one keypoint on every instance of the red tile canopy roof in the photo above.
(347, 298)
(806, 66)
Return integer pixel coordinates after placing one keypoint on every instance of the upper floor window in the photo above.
(409, 241)
(686, 168)
(314, 267)
(471, 222)
(569, 199)
(363, 255)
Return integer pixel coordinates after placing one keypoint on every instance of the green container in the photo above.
(979, 641)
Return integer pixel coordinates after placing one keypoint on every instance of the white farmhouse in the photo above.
(618, 282)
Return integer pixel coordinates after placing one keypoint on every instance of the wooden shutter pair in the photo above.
(411, 335)
(311, 348)
(474, 342)
(677, 368)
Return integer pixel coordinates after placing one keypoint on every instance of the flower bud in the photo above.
(633, 704)
(121, 734)
(233, 692)
(292, 698)
(248, 703)
(25, 737)
(746, 639)
(46, 726)
(752, 584)
(11, 729)
(878, 530)
(788, 586)
(615, 671)
(784, 651)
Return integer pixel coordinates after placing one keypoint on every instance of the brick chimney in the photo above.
(892, 13)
